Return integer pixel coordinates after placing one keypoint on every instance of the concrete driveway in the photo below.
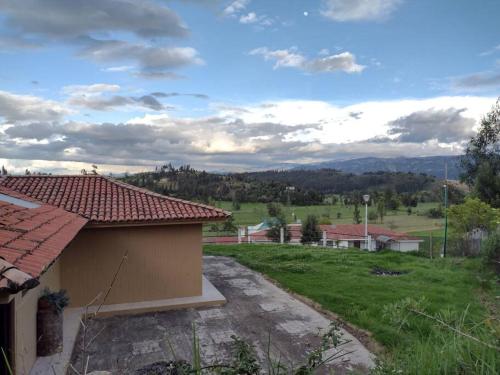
(256, 309)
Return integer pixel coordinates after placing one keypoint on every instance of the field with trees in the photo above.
(400, 220)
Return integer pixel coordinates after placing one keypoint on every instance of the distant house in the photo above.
(340, 236)
(72, 232)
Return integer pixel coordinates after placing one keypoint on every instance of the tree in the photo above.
(4, 171)
(274, 209)
(481, 162)
(465, 220)
(236, 204)
(473, 214)
(229, 225)
(310, 230)
(356, 214)
(381, 209)
(274, 232)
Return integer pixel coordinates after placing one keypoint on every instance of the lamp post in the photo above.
(366, 198)
(445, 243)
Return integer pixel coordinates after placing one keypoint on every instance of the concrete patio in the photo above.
(255, 309)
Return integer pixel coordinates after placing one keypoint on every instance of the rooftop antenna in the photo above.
(445, 186)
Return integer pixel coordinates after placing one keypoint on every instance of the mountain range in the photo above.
(430, 165)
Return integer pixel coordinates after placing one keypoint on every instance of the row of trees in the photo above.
(289, 187)
(331, 181)
(188, 183)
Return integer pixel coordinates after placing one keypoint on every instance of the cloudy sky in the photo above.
(240, 84)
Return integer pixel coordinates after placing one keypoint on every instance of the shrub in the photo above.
(372, 216)
(490, 251)
(325, 221)
(435, 213)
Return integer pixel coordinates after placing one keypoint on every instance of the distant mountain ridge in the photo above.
(430, 165)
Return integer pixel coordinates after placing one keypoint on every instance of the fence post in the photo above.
(324, 238)
(282, 235)
(430, 244)
(239, 234)
(248, 236)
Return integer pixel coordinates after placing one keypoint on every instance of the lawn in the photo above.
(254, 213)
(342, 282)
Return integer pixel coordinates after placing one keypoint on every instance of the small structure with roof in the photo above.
(85, 233)
(338, 236)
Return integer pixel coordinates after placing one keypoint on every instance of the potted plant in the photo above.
(49, 322)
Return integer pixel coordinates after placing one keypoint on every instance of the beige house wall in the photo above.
(25, 308)
(163, 261)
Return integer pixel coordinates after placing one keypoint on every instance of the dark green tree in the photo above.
(481, 162)
(310, 230)
(274, 209)
(356, 214)
(229, 225)
(235, 201)
(381, 209)
(274, 232)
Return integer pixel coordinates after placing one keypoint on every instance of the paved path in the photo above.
(256, 308)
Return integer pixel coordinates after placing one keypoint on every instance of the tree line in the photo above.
(288, 187)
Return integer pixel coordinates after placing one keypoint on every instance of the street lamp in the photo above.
(366, 198)
(445, 243)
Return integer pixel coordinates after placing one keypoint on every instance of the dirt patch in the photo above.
(379, 271)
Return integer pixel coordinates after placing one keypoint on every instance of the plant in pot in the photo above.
(49, 322)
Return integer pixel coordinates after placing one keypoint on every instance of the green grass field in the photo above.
(254, 213)
(342, 282)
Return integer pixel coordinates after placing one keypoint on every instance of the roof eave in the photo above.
(141, 223)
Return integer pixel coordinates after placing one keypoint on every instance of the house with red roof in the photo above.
(84, 233)
(338, 236)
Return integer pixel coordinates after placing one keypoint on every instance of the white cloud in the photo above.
(491, 51)
(370, 119)
(253, 18)
(94, 89)
(96, 97)
(235, 7)
(282, 57)
(147, 56)
(121, 68)
(18, 108)
(249, 18)
(261, 135)
(344, 61)
(63, 19)
(79, 22)
(291, 58)
(358, 10)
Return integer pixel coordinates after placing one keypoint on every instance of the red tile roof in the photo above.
(105, 200)
(357, 231)
(341, 232)
(31, 239)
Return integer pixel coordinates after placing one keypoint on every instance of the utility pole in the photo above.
(445, 209)
(366, 198)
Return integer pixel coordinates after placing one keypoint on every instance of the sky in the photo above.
(240, 85)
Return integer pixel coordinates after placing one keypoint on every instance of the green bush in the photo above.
(490, 251)
(372, 216)
(435, 213)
